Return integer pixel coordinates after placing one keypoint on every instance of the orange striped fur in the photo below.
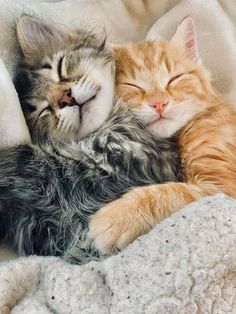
(203, 123)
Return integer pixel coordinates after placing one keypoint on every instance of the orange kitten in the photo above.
(171, 92)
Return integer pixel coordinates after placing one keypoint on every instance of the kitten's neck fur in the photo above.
(213, 107)
(209, 136)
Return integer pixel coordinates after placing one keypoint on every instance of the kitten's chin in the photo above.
(162, 128)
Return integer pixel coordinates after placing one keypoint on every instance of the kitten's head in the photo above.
(164, 82)
(66, 81)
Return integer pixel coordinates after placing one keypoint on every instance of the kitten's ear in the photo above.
(37, 38)
(185, 37)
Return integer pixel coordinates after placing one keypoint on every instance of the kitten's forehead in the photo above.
(39, 39)
(145, 59)
(147, 55)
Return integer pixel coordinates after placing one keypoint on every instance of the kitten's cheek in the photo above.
(85, 110)
(93, 118)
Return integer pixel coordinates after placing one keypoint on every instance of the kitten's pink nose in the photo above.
(159, 105)
(67, 99)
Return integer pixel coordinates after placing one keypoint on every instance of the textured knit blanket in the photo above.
(187, 264)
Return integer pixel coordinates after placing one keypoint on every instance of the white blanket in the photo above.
(187, 264)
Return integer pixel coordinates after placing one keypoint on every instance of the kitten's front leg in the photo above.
(122, 221)
(119, 223)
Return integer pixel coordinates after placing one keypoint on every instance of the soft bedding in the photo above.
(186, 265)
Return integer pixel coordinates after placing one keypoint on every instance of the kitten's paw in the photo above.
(119, 223)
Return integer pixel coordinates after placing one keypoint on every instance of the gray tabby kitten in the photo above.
(87, 148)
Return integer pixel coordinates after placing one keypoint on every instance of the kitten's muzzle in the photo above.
(67, 99)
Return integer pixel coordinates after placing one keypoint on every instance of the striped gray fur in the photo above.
(50, 188)
(47, 193)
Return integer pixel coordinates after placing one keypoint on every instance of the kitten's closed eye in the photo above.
(59, 67)
(45, 110)
(46, 66)
(132, 85)
(174, 78)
